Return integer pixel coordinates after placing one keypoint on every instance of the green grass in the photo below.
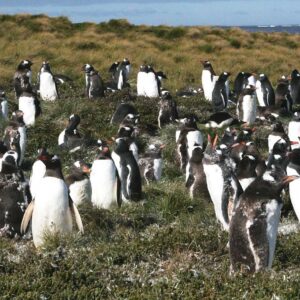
(168, 246)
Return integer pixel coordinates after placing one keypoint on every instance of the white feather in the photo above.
(23, 141)
(294, 188)
(259, 94)
(272, 140)
(37, 173)
(61, 138)
(192, 138)
(157, 165)
(151, 86)
(48, 90)
(27, 106)
(245, 182)
(249, 109)
(80, 191)
(4, 109)
(141, 78)
(294, 133)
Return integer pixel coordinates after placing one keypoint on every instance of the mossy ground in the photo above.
(168, 246)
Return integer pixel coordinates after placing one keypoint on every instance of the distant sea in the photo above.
(293, 29)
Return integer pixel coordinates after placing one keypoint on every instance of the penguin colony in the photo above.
(244, 186)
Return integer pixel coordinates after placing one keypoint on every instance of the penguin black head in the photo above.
(87, 68)
(161, 75)
(206, 64)
(81, 166)
(17, 116)
(126, 131)
(53, 167)
(24, 65)
(295, 73)
(2, 94)
(74, 121)
(11, 157)
(143, 68)
(223, 77)
(278, 127)
(248, 90)
(45, 67)
(150, 69)
(43, 154)
(126, 61)
(296, 116)
(262, 77)
(121, 146)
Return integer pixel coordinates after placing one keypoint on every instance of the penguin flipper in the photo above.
(76, 214)
(119, 198)
(27, 217)
(190, 180)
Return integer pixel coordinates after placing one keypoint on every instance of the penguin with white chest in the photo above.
(246, 107)
(105, 182)
(52, 208)
(220, 93)
(4, 105)
(120, 74)
(151, 84)
(294, 131)
(128, 170)
(208, 79)
(264, 91)
(47, 85)
(141, 79)
(79, 183)
(254, 225)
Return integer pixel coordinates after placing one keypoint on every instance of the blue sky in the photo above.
(170, 12)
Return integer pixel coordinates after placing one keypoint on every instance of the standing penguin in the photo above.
(151, 163)
(208, 79)
(128, 170)
(283, 97)
(294, 131)
(168, 111)
(264, 91)
(240, 83)
(277, 134)
(246, 170)
(70, 137)
(87, 68)
(4, 105)
(246, 106)
(254, 225)
(295, 86)
(219, 94)
(95, 85)
(122, 111)
(79, 183)
(52, 208)
(24, 68)
(106, 191)
(120, 73)
(141, 79)
(151, 84)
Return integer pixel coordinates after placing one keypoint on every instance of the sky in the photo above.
(169, 12)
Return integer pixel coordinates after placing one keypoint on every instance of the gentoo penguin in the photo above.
(15, 136)
(246, 170)
(208, 79)
(120, 73)
(4, 105)
(283, 97)
(24, 68)
(87, 68)
(95, 85)
(122, 111)
(189, 92)
(254, 224)
(294, 131)
(240, 82)
(160, 75)
(28, 102)
(52, 208)
(70, 137)
(293, 168)
(168, 111)
(277, 134)
(128, 170)
(264, 91)
(79, 183)
(219, 120)
(195, 179)
(219, 93)
(222, 184)
(295, 86)
(47, 85)
(105, 180)
(151, 163)
(246, 106)
(151, 84)
(141, 79)
(13, 195)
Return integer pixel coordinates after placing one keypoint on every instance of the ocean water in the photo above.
(267, 13)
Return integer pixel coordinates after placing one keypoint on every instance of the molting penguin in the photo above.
(151, 163)
(79, 183)
(47, 84)
(52, 208)
(254, 224)
(219, 120)
(105, 180)
(295, 86)
(264, 91)
(87, 68)
(246, 106)
(120, 73)
(28, 102)
(246, 170)
(24, 68)
(128, 170)
(277, 134)
(95, 85)
(123, 110)
(70, 138)
(219, 94)
(240, 83)
(168, 111)
(4, 105)
(294, 131)
(223, 187)
(283, 97)
(208, 79)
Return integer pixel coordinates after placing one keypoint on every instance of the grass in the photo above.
(169, 246)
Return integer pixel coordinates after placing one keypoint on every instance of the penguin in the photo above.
(120, 73)
(240, 83)
(128, 170)
(70, 138)
(151, 84)
(122, 111)
(220, 120)
(208, 79)
(293, 169)
(295, 86)
(47, 85)
(189, 92)
(246, 170)
(95, 85)
(294, 131)
(141, 80)
(79, 183)
(283, 97)
(264, 91)
(160, 75)
(277, 134)
(168, 112)
(195, 179)
(222, 184)
(87, 68)
(219, 93)
(28, 102)
(246, 106)
(4, 105)
(151, 163)
(14, 196)
(15, 135)
(24, 68)
(254, 225)
(52, 208)
(105, 181)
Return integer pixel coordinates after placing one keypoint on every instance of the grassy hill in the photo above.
(168, 247)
